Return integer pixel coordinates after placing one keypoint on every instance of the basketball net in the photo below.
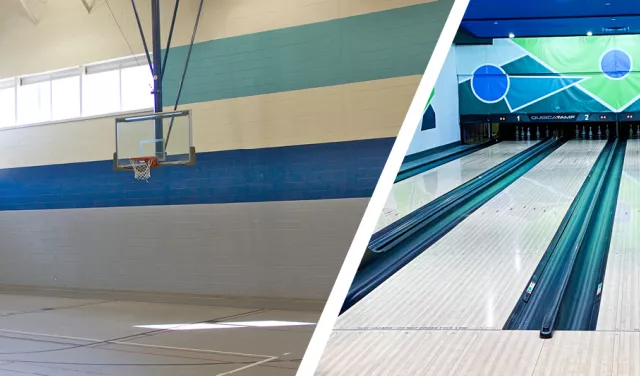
(142, 167)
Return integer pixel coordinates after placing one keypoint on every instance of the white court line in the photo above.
(249, 366)
(266, 359)
(135, 344)
(186, 349)
(381, 192)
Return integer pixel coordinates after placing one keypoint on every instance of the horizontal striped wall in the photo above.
(334, 113)
(374, 46)
(373, 71)
(284, 166)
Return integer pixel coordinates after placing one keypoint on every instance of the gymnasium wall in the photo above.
(295, 108)
(550, 75)
(440, 124)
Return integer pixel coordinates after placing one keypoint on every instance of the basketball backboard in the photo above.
(167, 136)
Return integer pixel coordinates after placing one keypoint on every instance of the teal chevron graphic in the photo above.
(606, 64)
(524, 91)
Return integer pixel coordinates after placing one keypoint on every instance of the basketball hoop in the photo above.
(142, 167)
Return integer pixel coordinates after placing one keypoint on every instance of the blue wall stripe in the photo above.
(309, 172)
(373, 46)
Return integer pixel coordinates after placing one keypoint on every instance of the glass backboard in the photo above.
(166, 136)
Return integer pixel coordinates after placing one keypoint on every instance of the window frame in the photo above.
(78, 71)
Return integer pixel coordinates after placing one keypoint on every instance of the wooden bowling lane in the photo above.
(417, 191)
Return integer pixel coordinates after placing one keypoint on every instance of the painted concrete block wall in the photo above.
(305, 172)
(285, 167)
(446, 107)
(358, 111)
(288, 249)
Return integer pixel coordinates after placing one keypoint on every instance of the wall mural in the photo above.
(550, 75)
(439, 123)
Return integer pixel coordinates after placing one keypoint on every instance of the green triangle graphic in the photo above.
(581, 57)
(433, 92)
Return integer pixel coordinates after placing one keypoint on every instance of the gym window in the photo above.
(7, 102)
(91, 90)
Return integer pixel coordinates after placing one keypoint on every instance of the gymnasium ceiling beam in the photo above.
(86, 5)
(32, 17)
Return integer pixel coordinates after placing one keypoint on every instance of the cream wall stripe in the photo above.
(363, 110)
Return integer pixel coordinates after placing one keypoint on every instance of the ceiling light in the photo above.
(589, 33)
(495, 22)
(511, 35)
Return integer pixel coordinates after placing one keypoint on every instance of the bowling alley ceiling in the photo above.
(545, 18)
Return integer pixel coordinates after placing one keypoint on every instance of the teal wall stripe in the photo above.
(373, 46)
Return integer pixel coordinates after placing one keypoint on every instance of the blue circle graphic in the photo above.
(615, 64)
(490, 83)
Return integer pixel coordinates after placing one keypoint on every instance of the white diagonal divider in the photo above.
(367, 224)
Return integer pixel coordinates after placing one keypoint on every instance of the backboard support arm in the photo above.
(173, 24)
(144, 40)
(157, 72)
(184, 72)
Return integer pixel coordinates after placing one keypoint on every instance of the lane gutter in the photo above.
(416, 232)
(565, 289)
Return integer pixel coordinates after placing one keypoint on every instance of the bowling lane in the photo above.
(473, 276)
(620, 306)
(417, 191)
